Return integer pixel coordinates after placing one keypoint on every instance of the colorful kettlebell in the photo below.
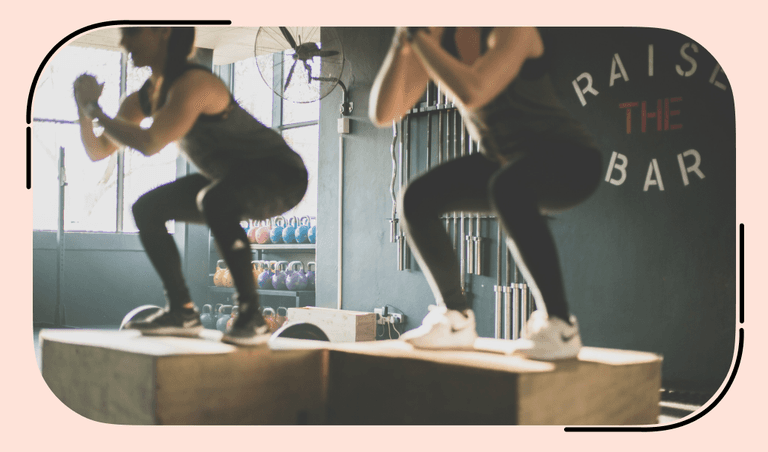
(206, 318)
(302, 230)
(278, 279)
(218, 275)
(312, 234)
(289, 231)
(226, 278)
(269, 317)
(276, 234)
(265, 278)
(296, 279)
(215, 314)
(224, 312)
(311, 275)
(282, 313)
(246, 225)
(260, 234)
(232, 317)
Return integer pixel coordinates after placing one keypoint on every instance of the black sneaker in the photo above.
(184, 322)
(247, 332)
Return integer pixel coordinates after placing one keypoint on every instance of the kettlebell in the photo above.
(227, 278)
(312, 234)
(278, 279)
(215, 314)
(224, 312)
(282, 313)
(246, 225)
(289, 231)
(260, 234)
(232, 318)
(269, 317)
(256, 268)
(206, 318)
(296, 279)
(276, 234)
(265, 278)
(311, 275)
(302, 230)
(218, 275)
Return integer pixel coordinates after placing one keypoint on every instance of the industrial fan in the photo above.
(308, 66)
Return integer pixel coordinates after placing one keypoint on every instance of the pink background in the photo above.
(733, 32)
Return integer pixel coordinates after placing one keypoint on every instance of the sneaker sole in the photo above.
(260, 339)
(172, 331)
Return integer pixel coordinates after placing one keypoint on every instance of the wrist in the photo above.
(92, 109)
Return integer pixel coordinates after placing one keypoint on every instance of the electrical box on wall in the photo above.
(343, 125)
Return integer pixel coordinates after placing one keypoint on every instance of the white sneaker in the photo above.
(444, 328)
(550, 339)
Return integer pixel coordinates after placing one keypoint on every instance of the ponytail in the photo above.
(181, 45)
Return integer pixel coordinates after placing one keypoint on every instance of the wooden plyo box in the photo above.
(124, 378)
(340, 325)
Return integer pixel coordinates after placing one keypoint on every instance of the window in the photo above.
(99, 195)
(96, 199)
(298, 123)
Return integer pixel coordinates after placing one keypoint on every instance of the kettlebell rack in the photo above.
(295, 252)
(513, 300)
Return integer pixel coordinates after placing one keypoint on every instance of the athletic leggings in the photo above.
(551, 178)
(258, 189)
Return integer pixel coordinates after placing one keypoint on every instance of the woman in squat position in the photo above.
(534, 159)
(246, 170)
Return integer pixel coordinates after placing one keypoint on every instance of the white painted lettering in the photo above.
(650, 60)
(715, 73)
(614, 75)
(653, 170)
(588, 89)
(693, 168)
(622, 168)
(687, 58)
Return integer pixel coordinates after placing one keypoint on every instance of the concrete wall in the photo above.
(645, 270)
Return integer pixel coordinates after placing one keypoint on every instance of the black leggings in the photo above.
(551, 178)
(257, 190)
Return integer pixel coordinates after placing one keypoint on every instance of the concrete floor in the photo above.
(670, 411)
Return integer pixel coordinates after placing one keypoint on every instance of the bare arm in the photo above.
(193, 93)
(100, 147)
(400, 83)
(477, 84)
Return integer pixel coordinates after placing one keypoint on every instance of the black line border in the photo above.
(659, 428)
(81, 31)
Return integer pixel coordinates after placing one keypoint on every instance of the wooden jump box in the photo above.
(123, 378)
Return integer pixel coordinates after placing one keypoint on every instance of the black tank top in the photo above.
(526, 112)
(219, 143)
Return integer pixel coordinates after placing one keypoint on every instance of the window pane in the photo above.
(304, 140)
(251, 92)
(45, 178)
(53, 95)
(136, 76)
(142, 174)
(294, 112)
(91, 193)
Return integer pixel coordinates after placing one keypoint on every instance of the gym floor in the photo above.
(672, 408)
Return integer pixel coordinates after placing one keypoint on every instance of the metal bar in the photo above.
(498, 288)
(407, 174)
(393, 195)
(60, 236)
(509, 295)
(463, 263)
(430, 100)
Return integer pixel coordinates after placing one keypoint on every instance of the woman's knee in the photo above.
(416, 202)
(145, 212)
